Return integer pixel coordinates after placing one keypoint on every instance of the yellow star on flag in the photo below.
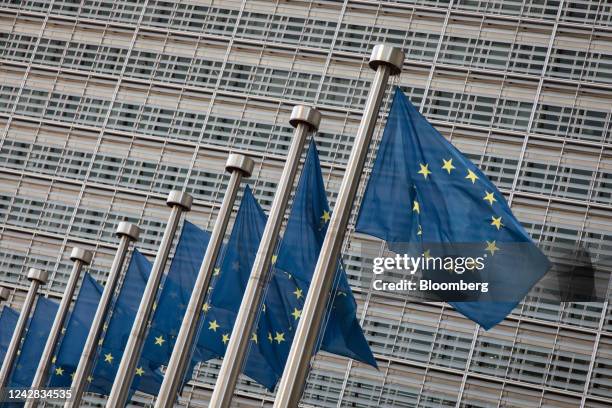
(274, 258)
(72, 375)
(159, 341)
(296, 313)
(416, 207)
(213, 325)
(217, 271)
(59, 371)
(254, 337)
(427, 254)
(205, 307)
(108, 358)
(89, 378)
(270, 339)
(424, 170)
(298, 293)
(280, 337)
(139, 371)
(489, 197)
(420, 230)
(472, 176)
(54, 359)
(491, 247)
(497, 222)
(326, 216)
(448, 165)
(225, 338)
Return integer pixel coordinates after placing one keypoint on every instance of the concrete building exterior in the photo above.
(106, 106)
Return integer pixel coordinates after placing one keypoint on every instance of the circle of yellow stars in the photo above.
(448, 166)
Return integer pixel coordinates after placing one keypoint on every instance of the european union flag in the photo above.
(423, 191)
(8, 321)
(175, 295)
(293, 269)
(67, 355)
(117, 332)
(299, 252)
(223, 304)
(34, 343)
(271, 340)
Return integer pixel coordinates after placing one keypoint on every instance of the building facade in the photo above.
(106, 106)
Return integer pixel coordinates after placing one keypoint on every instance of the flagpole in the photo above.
(385, 60)
(303, 119)
(80, 257)
(128, 232)
(180, 202)
(4, 294)
(239, 166)
(37, 278)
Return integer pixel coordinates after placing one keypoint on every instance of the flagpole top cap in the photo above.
(37, 275)
(385, 54)
(129, 230)
(305, 114)
(80, 254)
(240, 162)
(181, 199)
(4, 294)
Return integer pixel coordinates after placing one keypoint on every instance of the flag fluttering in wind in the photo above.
(288, 286)
(8, 321)
(425, 194)
(230, 281)
(34, 342)
(117, 330)
(175, 295)
(293, 269)
(67, 355)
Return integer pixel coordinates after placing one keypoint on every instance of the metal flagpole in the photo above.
(128, 232)
(179, 202)
(4, 294)
(303, 118)
(37, 278)
(386, 60)
(80, 257)
(239, 166)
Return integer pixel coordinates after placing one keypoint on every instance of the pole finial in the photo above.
(384, 54)
(129, 230)
(305, 114)
(181, 199)
(240, 162)
(80, 254)
(4, 294)
(39, 275)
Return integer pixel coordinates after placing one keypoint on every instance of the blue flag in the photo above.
(271, 340)
(118, 330)
(223, 304)
(66, 358)
(297, 257)
(425, 194)
(171, 306)
(8, 321)
(34, 343)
